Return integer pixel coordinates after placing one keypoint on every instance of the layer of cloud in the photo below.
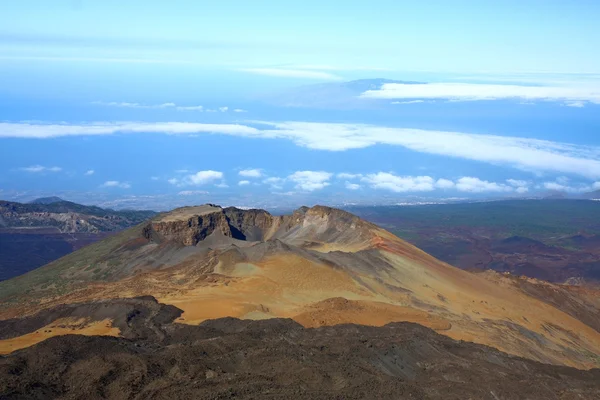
(406, 184)
(191, 192)
(89, 172)
(243, 183)
(517, 183)
(274, 182)
(158, 106)
(44, 131)
(474, 92)
(204, 177)
(476, 185)
(251, 173)
(41, 168)
(310, 180)
(394, 183)
(563, 185)
(197, 179)
(527, 154)
(292, 73)
(577, 104)
(345, 175)
(408, 102)
(352, 186)
(117, 184)
(445, 184)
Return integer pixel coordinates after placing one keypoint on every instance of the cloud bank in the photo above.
(533, 155)
(310, 180)
(41, 168)
(197, 179)
(160, 106)
(117, 184)
(251, 173)
(574, 95)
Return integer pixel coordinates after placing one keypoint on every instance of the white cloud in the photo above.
(527, 154)
(310, 180)
(401, 184)
(134, 105)
(563, 180)
(522, 190)
(476, 185)
(292, 73)
(42, 131)
(190, 108)
(41, 168)
(444, 184)
(577, 104)
(408, 102)
(386, 180)
(563, 185)
(251, 173)
(204, 177)
(523, 153)
(221, 185)
(345, 175)
(196, 179)
(154, 178)
(556, 186)
(517, 183)
(352, 186)
(191, 192)
(89, 172)
(239, 110)
(122, 185)
(475, 92)
(243, 183)
(273, 179)
(274, 182)
(151, 106)
(223, 109)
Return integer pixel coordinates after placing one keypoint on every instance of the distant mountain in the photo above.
(337, 95)
(46, 229)
(554, 194)
(46, 200)
(591, 195)
(66, 216)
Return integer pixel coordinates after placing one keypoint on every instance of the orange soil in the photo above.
(63, 326)
(341, 311)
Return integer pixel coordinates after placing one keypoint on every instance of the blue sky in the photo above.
(156, 104)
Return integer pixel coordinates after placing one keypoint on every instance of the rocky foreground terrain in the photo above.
(276, 358)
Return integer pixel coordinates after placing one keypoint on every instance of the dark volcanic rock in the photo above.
(277, 358)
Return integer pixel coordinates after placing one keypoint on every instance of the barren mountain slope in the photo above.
(276, 358)
(319, 266)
